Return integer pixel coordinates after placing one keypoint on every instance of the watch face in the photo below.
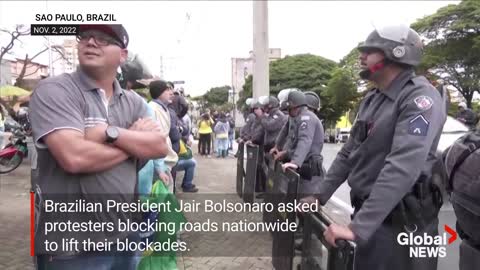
(112, 133)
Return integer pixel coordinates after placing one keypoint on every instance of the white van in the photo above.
(342, 135)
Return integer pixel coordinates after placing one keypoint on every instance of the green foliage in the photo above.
(215, 99)
(351, 65)
(144, 92)
(305, 71)
(453, 33)
(245, 93)
(339, 97)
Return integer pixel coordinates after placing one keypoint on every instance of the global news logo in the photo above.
(426, 246)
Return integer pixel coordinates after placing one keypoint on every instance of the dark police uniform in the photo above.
(245, 132)
(305, 150)
(391, 148)
(272, 124)
(281, 138)
(257, 136)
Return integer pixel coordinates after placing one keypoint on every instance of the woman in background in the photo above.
(205, 133)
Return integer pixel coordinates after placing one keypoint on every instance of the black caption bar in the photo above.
(54, 29)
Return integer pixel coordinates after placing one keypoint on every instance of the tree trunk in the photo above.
(468, 95)
(19, 81)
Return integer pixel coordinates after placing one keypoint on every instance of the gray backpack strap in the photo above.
(472, 147)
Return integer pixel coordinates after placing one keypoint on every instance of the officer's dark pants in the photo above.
(469, 256)
(382, 251)
(261, 172)
(468, 227)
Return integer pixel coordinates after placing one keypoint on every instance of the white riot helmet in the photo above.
(283, 96)
(263, 100)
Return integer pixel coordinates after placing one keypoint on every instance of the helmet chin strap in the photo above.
(365, 74)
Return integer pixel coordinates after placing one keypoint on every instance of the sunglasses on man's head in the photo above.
(101, 39)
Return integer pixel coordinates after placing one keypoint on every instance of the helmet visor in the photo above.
(397, 33)
(283, 95)
(263, 100)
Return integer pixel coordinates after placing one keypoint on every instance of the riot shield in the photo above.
(314, 245)
(269, 186)
(240, 169)
(285, 191)
(250, 174)
(469, 256)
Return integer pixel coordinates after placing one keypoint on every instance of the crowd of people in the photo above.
(100, 136)
(218, 127)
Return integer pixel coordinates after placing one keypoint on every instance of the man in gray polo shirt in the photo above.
(90, 135)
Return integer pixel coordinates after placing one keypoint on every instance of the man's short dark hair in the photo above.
(157, 88)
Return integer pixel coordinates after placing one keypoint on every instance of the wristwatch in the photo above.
(112, 134)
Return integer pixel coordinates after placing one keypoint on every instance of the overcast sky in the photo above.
(198, 39)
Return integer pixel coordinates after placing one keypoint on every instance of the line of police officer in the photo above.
(387, 160)
(297, 140)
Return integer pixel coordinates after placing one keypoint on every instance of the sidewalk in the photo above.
(216, 175)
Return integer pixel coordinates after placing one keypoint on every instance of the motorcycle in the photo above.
(12, 155)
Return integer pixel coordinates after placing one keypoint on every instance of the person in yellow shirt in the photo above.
(205, 131)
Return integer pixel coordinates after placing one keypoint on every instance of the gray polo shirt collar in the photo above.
(87, 84)
(398, 83)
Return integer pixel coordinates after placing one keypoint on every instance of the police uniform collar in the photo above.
(398, 83)
(87, 84)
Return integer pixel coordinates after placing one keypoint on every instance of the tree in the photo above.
(245, 93)
(453, 46)
(20, 30)
(351, 65)
(215, 99)
(217, 95)
(14, 37)
(340, 96)
(304, 71)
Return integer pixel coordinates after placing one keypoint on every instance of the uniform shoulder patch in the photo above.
(423, 102)
(303, 125)
(418, 126)
(305, 117)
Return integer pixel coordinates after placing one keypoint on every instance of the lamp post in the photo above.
(232, 93)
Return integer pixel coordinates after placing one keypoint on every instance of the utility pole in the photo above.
(49, 44)
(161, 67)
(50, 58)
(261, 86)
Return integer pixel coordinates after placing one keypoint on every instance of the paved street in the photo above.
(212, 176)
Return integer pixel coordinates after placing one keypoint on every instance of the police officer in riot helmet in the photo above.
(313, 101)
(257, 131)
(305, 138)
(257, 137)
(282, 98)
(249, 119)
(273, 121)
(389, 156)
(281, 142)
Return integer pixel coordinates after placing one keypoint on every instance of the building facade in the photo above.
(241, 69)
(68, 62)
